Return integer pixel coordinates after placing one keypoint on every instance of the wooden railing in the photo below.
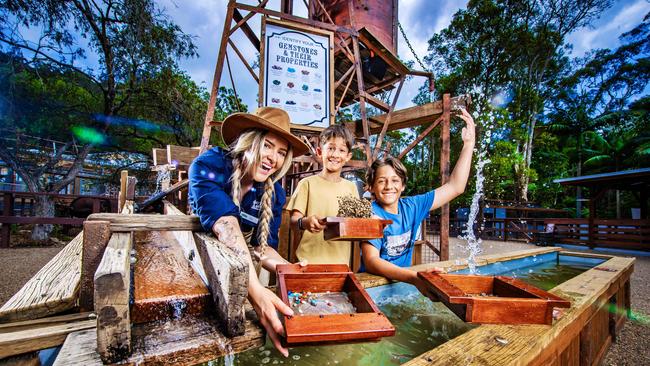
(23, 214)
(622, 234)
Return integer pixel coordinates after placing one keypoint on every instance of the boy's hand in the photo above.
(469, 131)
(314, 224)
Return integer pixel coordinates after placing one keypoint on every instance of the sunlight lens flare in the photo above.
(502, 98)
(88, 135)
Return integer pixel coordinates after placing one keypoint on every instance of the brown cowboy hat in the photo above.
(264, 118)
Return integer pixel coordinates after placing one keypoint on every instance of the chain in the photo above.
(408, 43)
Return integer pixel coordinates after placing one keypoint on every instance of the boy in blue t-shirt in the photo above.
(386, 180)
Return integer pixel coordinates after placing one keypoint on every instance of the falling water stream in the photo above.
(498, 100)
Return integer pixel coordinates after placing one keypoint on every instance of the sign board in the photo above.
(296, 72)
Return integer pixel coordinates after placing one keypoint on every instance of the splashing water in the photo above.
(474, 243)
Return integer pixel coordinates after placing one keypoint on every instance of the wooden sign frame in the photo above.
(367, 324)
(492, 299)
(328, 72)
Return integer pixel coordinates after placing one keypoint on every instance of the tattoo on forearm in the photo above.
(226, 233)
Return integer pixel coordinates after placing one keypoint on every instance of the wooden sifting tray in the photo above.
(493, 299)
(368, 323)
(351, 229)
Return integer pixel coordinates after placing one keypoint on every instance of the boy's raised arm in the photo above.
(458, 179)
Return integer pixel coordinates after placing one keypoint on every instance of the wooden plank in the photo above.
(159, 156)
(177, 342)
(186, 240)
(181, 155)
(410, 117)
(79, 348)
(376, 102)
(227, 272)
(22, 341)
(44, 322)
(112, 287)
(52, 289)
(96, 237)
(144, 222)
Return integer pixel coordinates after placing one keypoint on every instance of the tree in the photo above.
(132, 40)
(497, 46)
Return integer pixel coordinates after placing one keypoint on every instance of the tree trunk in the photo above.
(43, 207)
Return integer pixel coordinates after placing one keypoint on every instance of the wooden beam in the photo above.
(419, 138)
(297, 19)
(376, 102)
(248, 32)
(52, 289)
(243, 60)
(209, 114)
(159, 157)
(79, 348)
(384, 128)
(181, 155)
(410, 117)
(96, 237)
(46, 322)
(143, 222)
(362, 99)
(112, 294)
(227, 272)
(186, 240)
(28, 340)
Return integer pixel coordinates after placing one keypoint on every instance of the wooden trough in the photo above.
(493, 299)
(365, 324)
(354, 229)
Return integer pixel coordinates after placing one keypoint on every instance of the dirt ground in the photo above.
(20, 264)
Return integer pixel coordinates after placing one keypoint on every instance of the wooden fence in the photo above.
(22, 213)
(608, 233)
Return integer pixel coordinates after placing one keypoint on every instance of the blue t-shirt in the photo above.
(209, 195)
(397, 244)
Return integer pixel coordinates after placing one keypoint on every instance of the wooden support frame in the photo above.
(112, 295)
(227, 273)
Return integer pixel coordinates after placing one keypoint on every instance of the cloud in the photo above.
(605, 32)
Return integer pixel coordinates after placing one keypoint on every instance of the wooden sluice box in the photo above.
(493, 299)
(318, 287)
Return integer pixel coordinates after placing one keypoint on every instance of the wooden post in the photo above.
(444, 174)
(7, 210)
(209, 115)
(95, 238)
(112, 290)
(362, 99)
(227, 272)
(124, 176)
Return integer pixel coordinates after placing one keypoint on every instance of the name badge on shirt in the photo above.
(250, 218)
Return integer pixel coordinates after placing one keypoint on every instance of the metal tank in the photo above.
(379, 17)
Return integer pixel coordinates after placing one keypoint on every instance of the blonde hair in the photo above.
(246, 153)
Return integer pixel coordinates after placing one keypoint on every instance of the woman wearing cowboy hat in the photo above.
(237, 196)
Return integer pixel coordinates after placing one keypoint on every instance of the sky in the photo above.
(204, 19)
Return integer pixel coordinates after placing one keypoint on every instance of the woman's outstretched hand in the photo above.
(469, 131)
(267, 305)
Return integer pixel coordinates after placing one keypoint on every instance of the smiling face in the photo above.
(335, 154)
(272, 155)
(387, 188)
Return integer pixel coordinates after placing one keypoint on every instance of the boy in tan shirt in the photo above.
(317, 197)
